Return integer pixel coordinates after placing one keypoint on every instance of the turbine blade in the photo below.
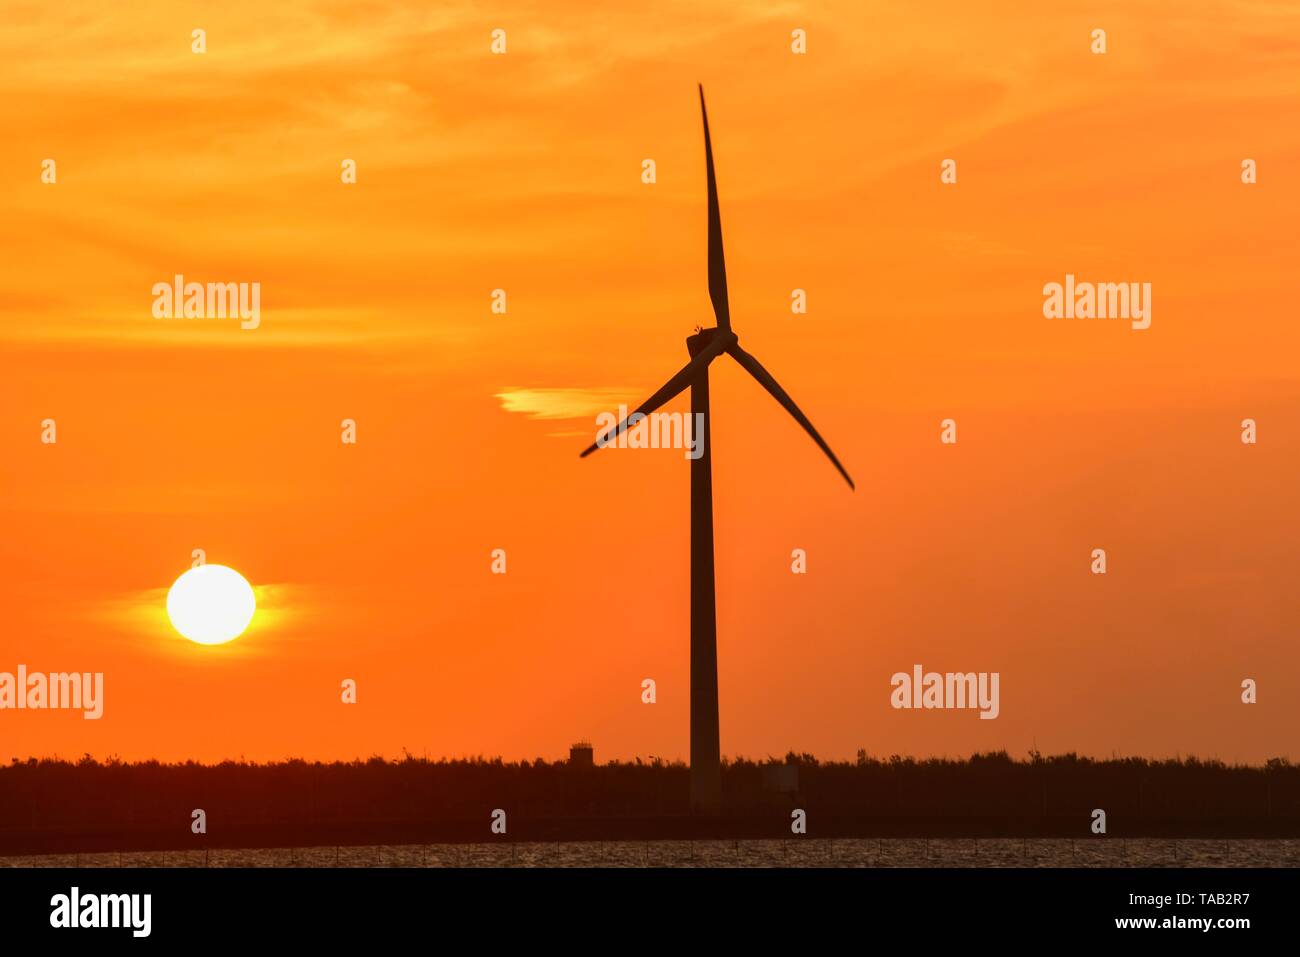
(755, 368)
(669, 390)
(717, 267)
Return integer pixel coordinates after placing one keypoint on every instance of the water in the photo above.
(796, 852)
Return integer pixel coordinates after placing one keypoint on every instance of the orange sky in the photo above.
(522, 172)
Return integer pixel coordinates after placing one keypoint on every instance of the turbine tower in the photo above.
(705, 346)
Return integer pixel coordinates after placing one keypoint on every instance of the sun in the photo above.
(211, 604)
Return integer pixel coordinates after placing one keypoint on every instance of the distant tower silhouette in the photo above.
(705, 346)
(582, 755)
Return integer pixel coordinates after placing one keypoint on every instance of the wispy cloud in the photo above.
(564, 403)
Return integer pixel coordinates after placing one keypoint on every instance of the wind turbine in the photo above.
(705, 346)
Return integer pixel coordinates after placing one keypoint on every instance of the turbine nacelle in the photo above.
(703, 338)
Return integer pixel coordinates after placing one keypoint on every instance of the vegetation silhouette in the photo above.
(56, 806)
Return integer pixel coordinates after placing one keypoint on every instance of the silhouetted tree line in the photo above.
(53, 804)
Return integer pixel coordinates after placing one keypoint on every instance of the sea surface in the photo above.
(794, 852)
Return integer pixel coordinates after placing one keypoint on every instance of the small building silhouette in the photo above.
(582, 755)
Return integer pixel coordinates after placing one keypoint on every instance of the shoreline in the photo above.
(1096, 852)
(773, 825)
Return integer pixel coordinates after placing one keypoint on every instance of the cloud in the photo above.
(564, 403)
